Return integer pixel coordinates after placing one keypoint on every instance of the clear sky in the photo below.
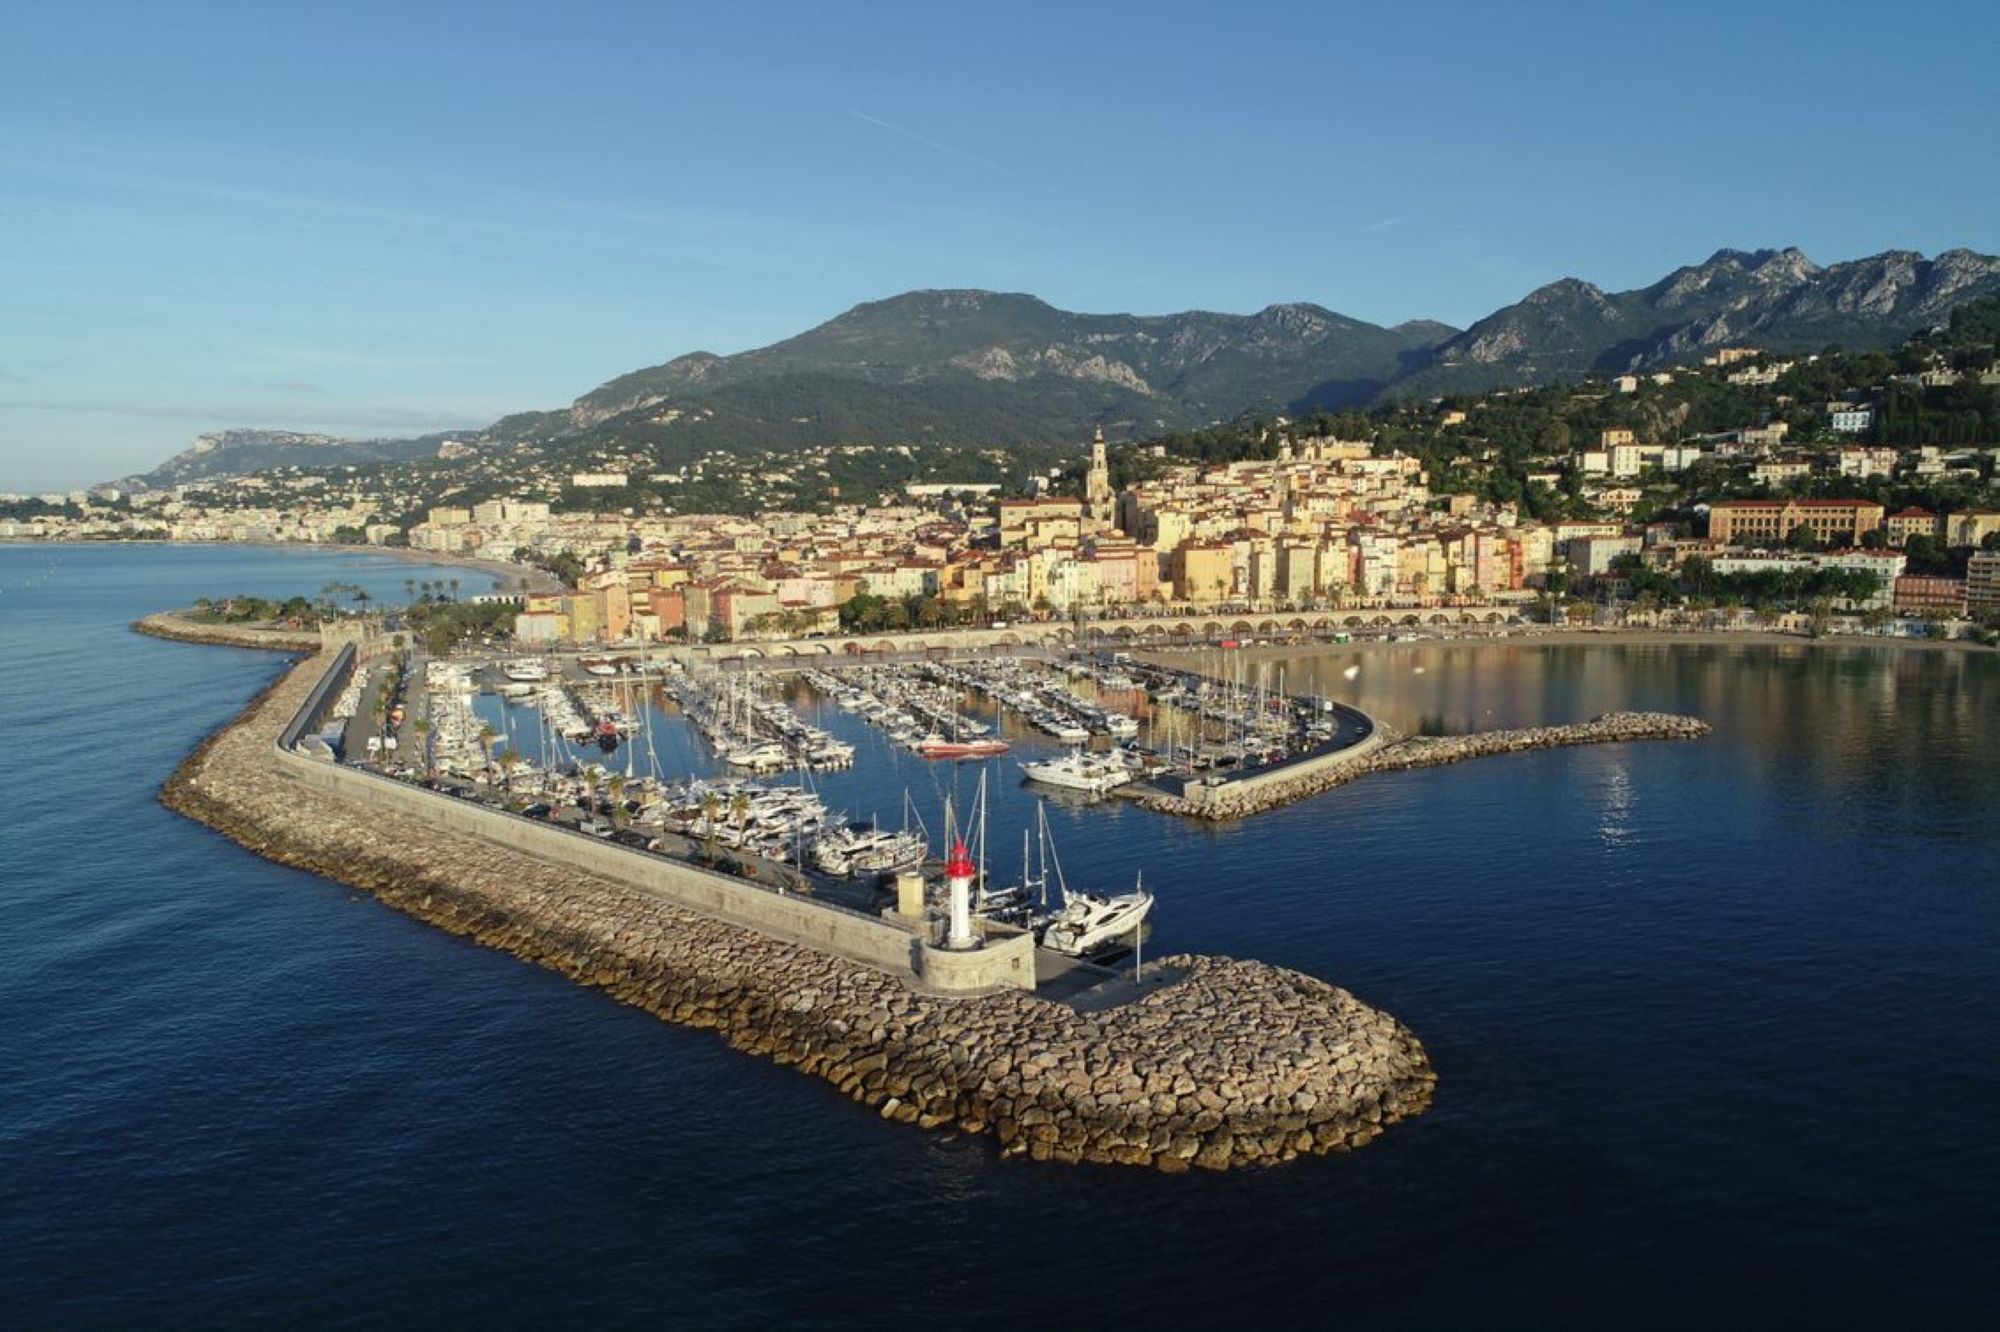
(384, 219)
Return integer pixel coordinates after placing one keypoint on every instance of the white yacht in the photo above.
(1089, 922)
(528, 670)
(1080, 771)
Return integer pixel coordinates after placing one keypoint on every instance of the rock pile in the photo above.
(1232, 1063)
(1430, 751)
(177, 626)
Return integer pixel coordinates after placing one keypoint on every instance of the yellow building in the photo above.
(1204, 571)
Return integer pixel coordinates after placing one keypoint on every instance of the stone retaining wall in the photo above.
(1426, 752)
(1234, 1063)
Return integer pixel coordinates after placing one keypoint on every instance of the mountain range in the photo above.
(1003, 369)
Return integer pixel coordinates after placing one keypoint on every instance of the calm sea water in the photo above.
(1717, 1027)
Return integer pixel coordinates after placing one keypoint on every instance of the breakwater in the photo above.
(1227, 1063)
(181, 628)
(1428, 751)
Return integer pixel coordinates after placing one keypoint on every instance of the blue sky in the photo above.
(384, 219)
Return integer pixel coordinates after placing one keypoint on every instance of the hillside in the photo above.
(1777, 299)
(1005, 369)
(236, 452)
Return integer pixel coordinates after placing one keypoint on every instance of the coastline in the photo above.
(1225, 1063)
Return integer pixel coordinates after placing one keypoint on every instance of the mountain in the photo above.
(1777, 299)
(236, 452)
(1005, 370)
(999, 368)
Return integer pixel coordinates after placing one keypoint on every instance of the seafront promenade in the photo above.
(1217, 1063)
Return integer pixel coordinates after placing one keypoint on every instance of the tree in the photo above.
(616, 786)
(711, 811)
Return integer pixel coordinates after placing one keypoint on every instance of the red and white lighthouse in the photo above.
(958, 874)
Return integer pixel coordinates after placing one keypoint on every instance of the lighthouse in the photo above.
(958, 878)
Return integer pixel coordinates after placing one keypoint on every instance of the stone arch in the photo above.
(1211, 629)
(818, 649)
(1297, 626)
(1010, 640)
(1353, 622)
(1240, 628)
(882, 645)
(1123, 631)
(1413, 619)
(1439, 617)
(1267, 627)
(1494, 617)
(1181, 629)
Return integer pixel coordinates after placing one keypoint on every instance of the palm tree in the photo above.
(454, 589)
(711, 810)
(409, 590)
(616, 786)
(422, 725)
(510, 758)
(739, 809)
(487, 735)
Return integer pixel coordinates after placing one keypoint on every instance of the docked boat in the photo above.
(862, 848)
(1080, 771)
(1092, 922)
(937, 747)
(526, 671)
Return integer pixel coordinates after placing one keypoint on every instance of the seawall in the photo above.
(1231, 1063)
(1254, 797)
(177, 626)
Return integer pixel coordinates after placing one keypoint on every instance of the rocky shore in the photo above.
(178, 626)
(1231, 1063)
(1429, 751)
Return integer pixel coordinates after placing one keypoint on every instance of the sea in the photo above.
(1716, 1026)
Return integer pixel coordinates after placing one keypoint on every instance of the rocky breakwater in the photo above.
(182, 628)
(1229, 1063)
(1239, 800)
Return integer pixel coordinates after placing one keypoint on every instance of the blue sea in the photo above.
(1717, 1029)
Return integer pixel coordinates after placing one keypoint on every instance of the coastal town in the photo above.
(1601, 532)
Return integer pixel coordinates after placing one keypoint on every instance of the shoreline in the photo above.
(1230, 1063)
